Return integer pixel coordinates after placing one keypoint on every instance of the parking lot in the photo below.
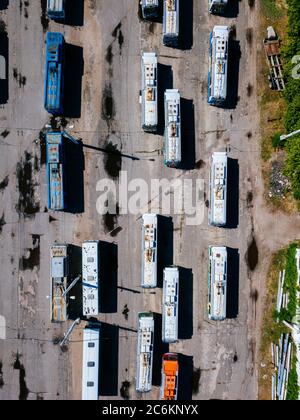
(105, 39)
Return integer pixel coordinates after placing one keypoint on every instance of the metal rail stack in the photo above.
(272, 50)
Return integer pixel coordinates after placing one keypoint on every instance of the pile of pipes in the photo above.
(282, 298)
(281, 357)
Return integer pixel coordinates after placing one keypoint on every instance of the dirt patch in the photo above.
(2, 26)
(249, 36)
(125, 312)
(43, 149)
(26, 204)
(4, 183)
(1, 375)
(32, 259)
(200, 164)
(24, 391)
(196, 380)
(5, 133)
(254, 295)
(56, 339)
(58, 123)
(116, 30)
(152, 27)
(112, 160)
(108, 103)
(252, 255)
(249, 135)
(124, 390)
(279, 183)
(21, 80)
(249, 90)
(2, 223)
(120, 39)
(249, 197)
(110, 222)
(109, 55)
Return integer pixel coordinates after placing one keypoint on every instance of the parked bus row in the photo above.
(217, 94)
(91, 358)
(61, 283)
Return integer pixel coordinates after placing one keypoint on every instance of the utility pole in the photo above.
(287, 136)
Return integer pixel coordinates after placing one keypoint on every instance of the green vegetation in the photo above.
(292, 388)
(290, 284)
(276, 140)
(292, 165)
(272, 330)
(271, 9)
(291, 94)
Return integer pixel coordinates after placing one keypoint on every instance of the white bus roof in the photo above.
(170, 305)
(173, 126)
(149, 3)
(55, 5)
(171, 17)
(219, 71)
(218, 188)
(149, 89)
(90, 364)
(145, 352)
(90, 277)
(59, 279)
(149, 250)
(217, 282)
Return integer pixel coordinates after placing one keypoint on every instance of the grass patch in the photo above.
(292, 388)
(272, 9)
(275, 106)
(272, 330)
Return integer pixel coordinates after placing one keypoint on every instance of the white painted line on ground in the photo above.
(2, 328)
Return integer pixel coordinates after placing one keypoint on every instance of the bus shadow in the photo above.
(165, 81)
(187, 134)
(74, 13)
(234, 57)
(74, 69)
(186, 19)
(160, 13)
(233, 176)
(185, 377)
(109, 360)
(4, 4)
(4, 74)
(159, 349)
(185, 304)
(75, 167)
(165, 246)
(232, 9)
(75, 294)
(233, 273)
(108, 277)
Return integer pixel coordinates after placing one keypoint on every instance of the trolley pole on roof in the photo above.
(69, 332)
(74, 282)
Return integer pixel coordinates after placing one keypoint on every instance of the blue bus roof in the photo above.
(55, 171)
(54, 72)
